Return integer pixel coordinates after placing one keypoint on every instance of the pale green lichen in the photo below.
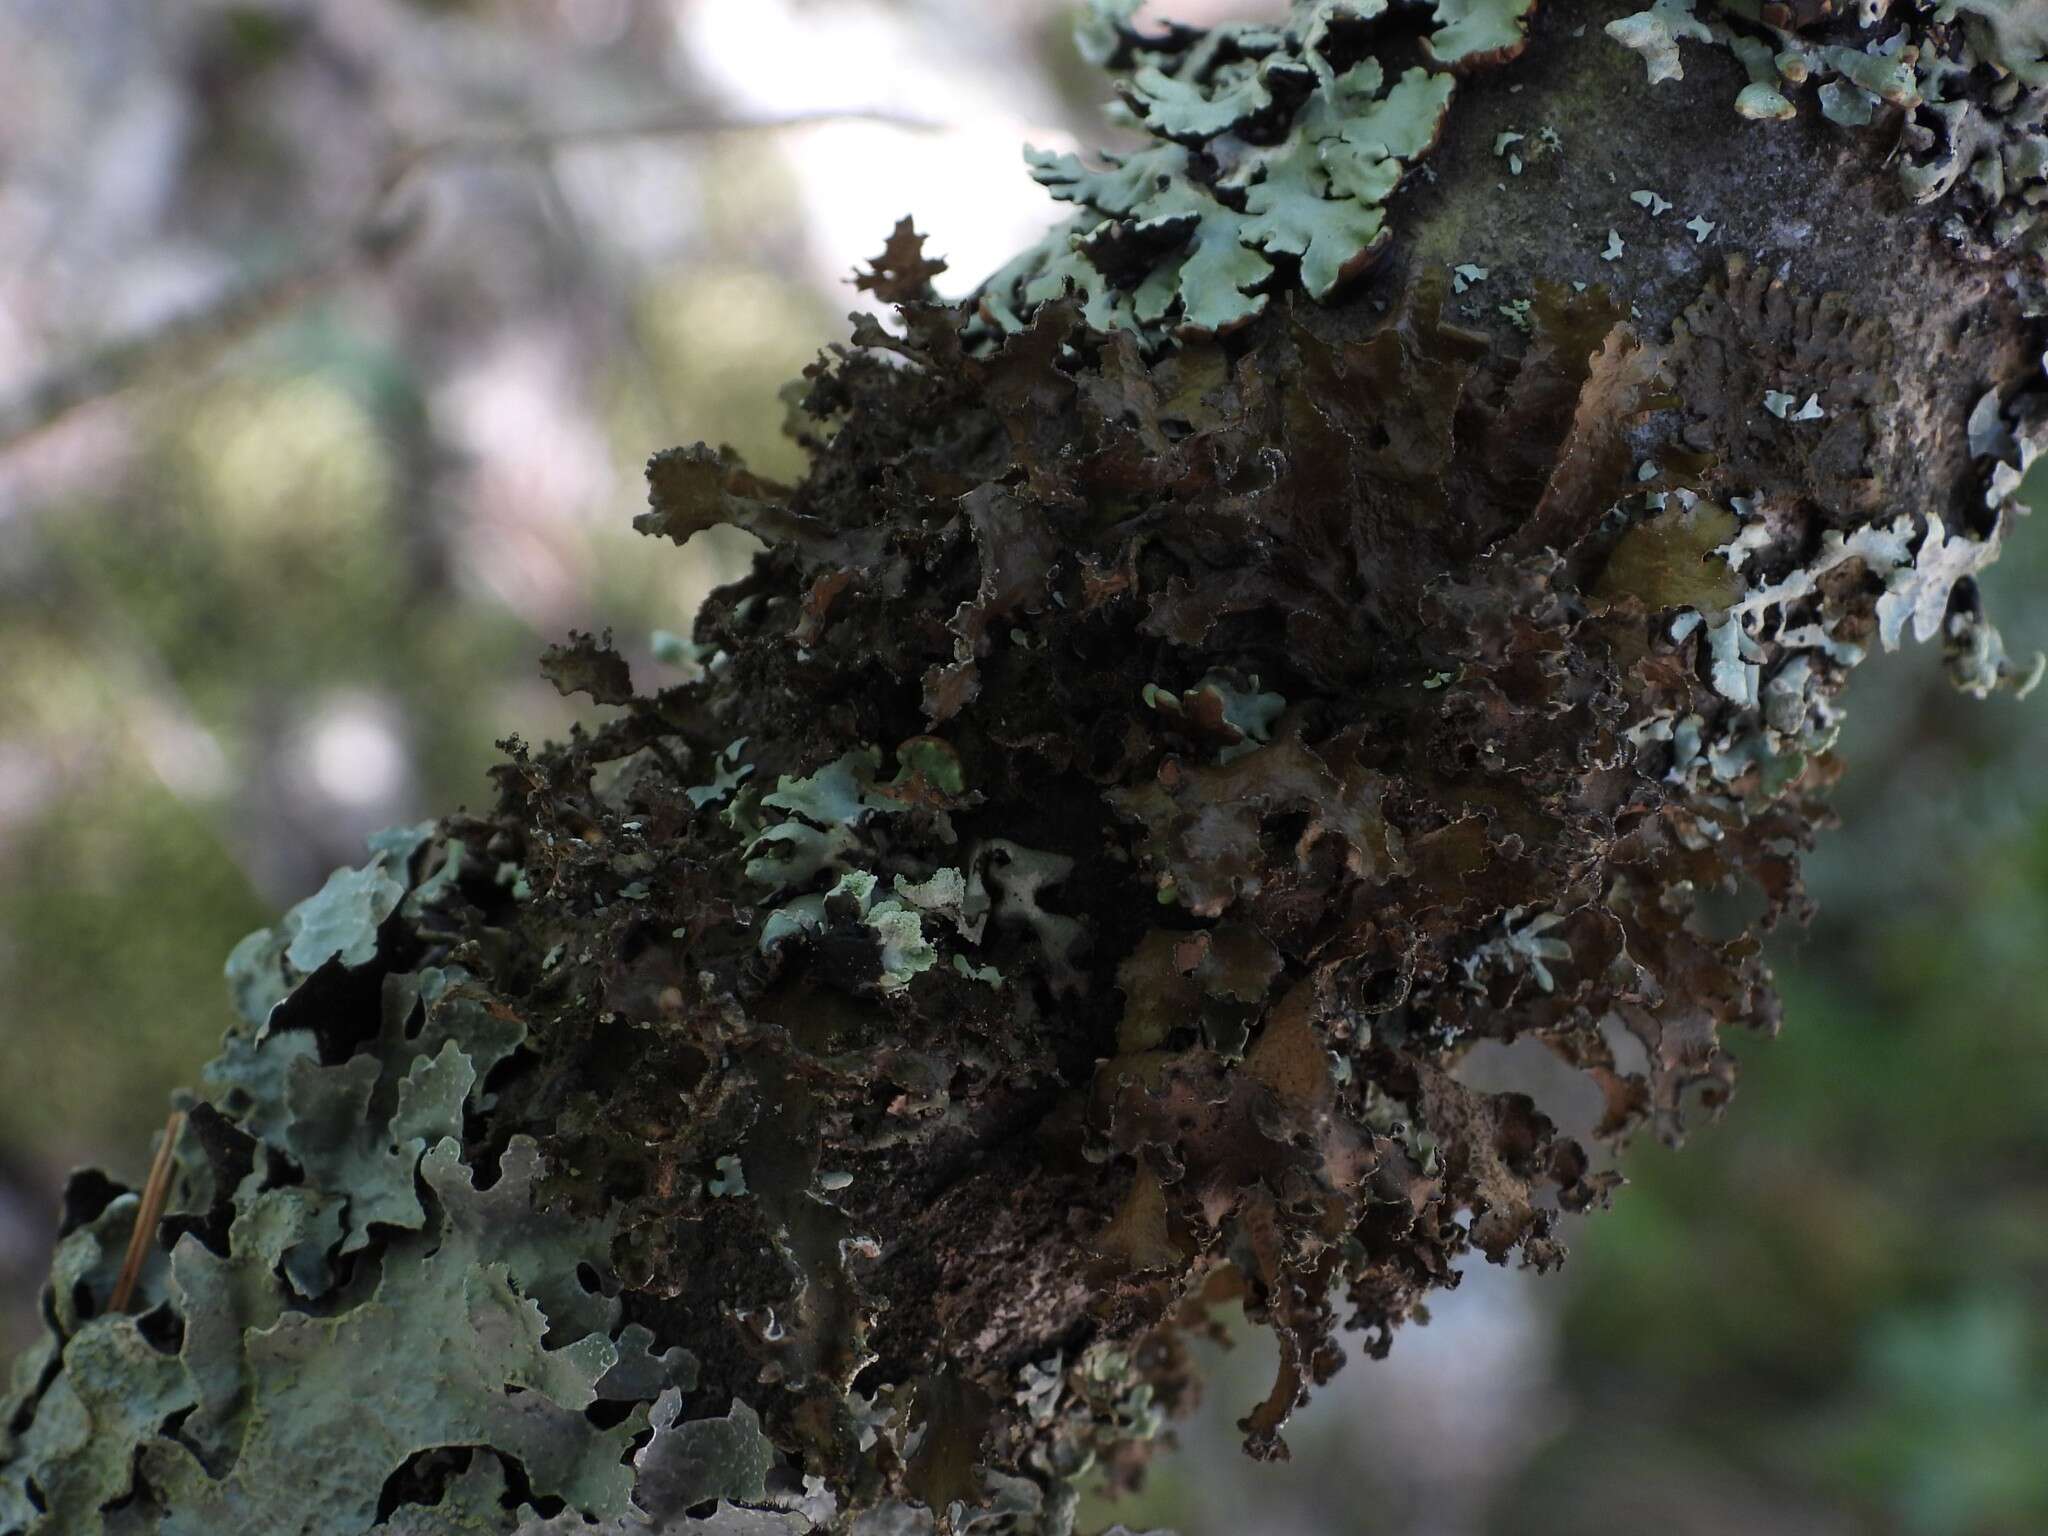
(826, 828)
(1182, 235)
(730, 1180)
(1960, 86)
(728, 772)
(1021, 876)
(898, 932)
(822, 816)
(338, 923)
(987, 975)
(1524, 944)
(1786, 407)
(1781, 714)
(1655, 34)
(478, 1318)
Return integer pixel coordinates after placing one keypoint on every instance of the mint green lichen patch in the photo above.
(902, 948)
(703, 1460)
(1475, 31)
(440, 1347)
(898, 931)
(959, 896)
(822, 816)
(730, 1181)
(340, 921)
(1959, 86)
(987, 975)
(334, 1138)
(1655, 34)
(117, 1389)
(1782, 717)
(1525, 944)
(1020, 877)
(344, 1299)
(1917, 594)
(1183, 236)
(465, 1322)
(1848, 105)
(1771, 611)
(729, 771)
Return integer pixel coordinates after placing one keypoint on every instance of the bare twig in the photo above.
(483, 142)
(154, 1193)
(188, 341)
(184, 344)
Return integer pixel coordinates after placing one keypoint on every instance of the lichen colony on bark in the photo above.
(1173, 722)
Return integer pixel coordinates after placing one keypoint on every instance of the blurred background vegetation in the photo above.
(287, 584)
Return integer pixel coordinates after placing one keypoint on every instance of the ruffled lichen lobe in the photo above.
(1202, 691)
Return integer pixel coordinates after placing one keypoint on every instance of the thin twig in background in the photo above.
(184, 344)
(482, 142)
(181, 346)
(154, 1193)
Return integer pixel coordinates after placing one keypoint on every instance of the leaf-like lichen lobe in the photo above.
(830, 1094)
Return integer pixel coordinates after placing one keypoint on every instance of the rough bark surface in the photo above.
(1167, 729)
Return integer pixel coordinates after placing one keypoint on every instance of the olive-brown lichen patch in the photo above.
(830, 1094)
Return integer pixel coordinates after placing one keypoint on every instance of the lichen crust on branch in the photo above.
(1272, 143)
(1959, 88)
(1148, 763)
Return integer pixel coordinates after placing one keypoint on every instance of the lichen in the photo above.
(232, 1395)
(829, 1095)
(1276, 152)
(1957, 88)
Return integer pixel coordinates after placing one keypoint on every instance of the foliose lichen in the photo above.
(1272, 146)
(1959, 88)
(830, 1095)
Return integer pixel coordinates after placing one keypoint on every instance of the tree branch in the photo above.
(187, 342)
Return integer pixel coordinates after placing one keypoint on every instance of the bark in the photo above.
(1168, 728)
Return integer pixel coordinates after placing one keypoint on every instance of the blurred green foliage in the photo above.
(113, 926)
